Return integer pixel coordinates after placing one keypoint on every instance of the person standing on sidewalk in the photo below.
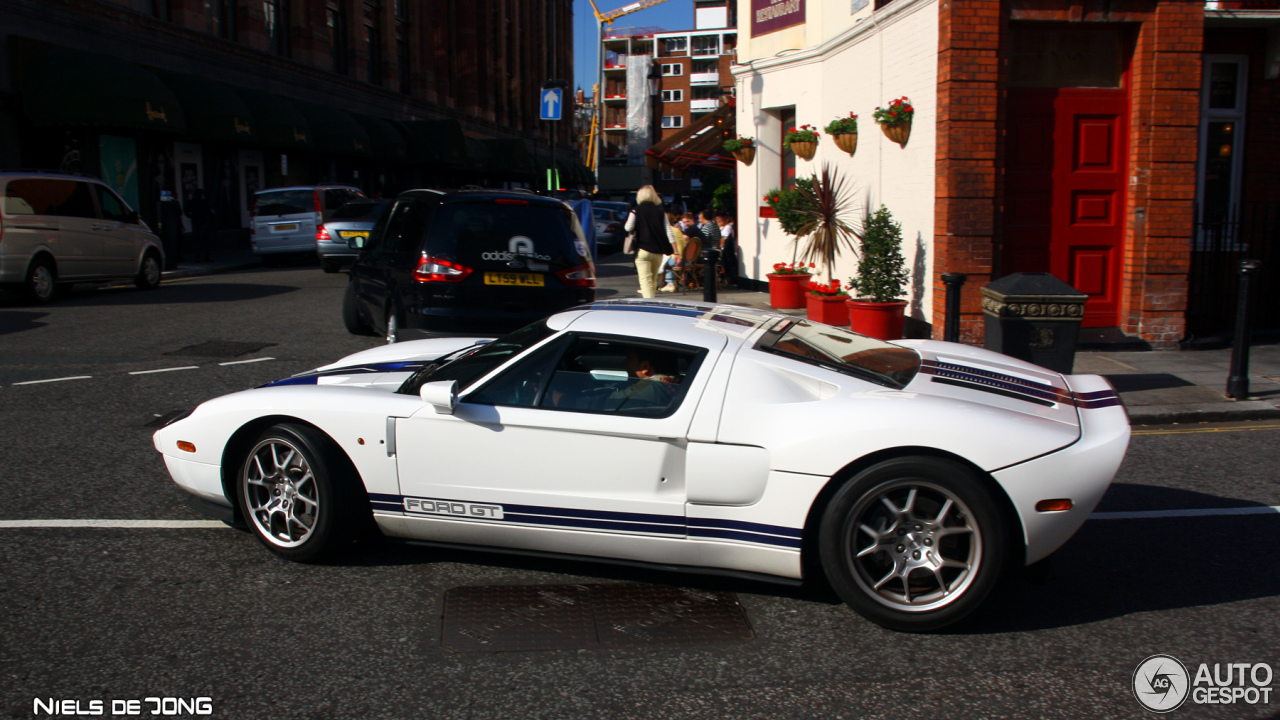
(728, 247)
(649, 222)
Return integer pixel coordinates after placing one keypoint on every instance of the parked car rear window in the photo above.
(285, 202)
(359, 210)
(472, 232)
(842, 351)
(335, 198)
(31, 197)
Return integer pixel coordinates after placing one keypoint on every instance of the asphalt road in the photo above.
(113, 614)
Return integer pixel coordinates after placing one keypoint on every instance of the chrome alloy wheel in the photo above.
(915, 545)
(151, 270)
(280, 492)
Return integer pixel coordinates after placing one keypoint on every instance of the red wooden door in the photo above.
(1066, 159)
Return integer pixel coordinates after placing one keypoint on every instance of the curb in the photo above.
(211, 270)
(1202, 412)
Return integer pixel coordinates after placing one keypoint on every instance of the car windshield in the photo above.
(285, 202)
(842, 351)
(603, 214)
(475, 364)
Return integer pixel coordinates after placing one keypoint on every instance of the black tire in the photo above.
(41, 284)
(300, 495)
(351, 313)
(923, 564)
(330, 266)
(149, 272)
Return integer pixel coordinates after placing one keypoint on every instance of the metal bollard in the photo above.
(710, 256)
(1238, 381)
(951, 326)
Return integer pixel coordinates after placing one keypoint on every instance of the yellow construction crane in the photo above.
(597, 122)
(609, 17)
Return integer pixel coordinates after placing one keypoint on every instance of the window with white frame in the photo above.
(671, 69)
(672, 95)
(673, 121)
(676, 44)
(706, 45)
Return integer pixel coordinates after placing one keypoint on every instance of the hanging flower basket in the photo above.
(847, 142)
(743, 148)
(898, 133)
(895, 119)
(745, 155)
(804, 150)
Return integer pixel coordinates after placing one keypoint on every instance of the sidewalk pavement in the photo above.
(1157, 387)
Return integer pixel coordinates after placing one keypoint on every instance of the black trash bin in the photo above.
(1034, 317)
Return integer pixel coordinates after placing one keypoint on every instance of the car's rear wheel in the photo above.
(148, 277)
(351, 318)
(913, 544)
(41, 283)
(330, 266)
(299, 494)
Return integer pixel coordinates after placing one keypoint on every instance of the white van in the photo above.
(286, 220)
(61, 229)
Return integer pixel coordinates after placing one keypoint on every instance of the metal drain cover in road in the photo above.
(221, 348)
(574, 617)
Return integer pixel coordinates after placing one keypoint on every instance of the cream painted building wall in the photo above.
(839, 62)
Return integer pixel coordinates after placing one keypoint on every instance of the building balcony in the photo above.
(614, 99)
(703, 105)
(616, 127)
(704, 78)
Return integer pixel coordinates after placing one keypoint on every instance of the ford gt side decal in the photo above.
(312, 378)
(599, 520)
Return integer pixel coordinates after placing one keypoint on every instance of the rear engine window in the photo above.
(474, 233)
(842, 351)
(285, 202)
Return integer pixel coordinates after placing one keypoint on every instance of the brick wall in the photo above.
(1164, 77)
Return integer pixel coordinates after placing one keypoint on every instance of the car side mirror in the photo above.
(441, 396)
(356, 243)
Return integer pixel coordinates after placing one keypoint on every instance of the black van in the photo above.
(467, 262)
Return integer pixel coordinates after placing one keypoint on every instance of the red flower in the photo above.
(910, 109)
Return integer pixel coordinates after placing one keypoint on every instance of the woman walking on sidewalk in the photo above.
(649, 222)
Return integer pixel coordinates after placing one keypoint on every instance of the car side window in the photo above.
(406, 224)
(74, 199)
(520, 385)
(614, 376)
(111, 206)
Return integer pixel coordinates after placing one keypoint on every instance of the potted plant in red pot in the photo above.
(877, 309)
(825, 303)
(787, 285)
(788, 281)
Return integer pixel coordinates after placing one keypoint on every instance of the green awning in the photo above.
(213, 111)
(512, 158)
(73, 87)
(277, 123)
(334, 131)
(385, 139)
(438, 142)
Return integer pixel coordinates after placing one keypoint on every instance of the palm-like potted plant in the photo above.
(877, 308)
(895, 119)
(788, 281)
(844, 130)
(743, 148)
(803, 141)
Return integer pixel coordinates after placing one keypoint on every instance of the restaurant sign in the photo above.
(770, 15)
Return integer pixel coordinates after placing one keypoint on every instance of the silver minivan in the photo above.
(61, 229)
(286, 220)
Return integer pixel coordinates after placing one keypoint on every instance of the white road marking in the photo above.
(148, 372)
(142, 524)
(1197, 512)
(37, 382)
(244, 362)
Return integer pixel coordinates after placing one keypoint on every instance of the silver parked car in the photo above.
(61, 229)
(286, 220)
(349, 222)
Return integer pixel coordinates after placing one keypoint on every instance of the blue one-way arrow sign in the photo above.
(551, 103)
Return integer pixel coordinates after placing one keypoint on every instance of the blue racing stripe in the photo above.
(747, 537)
(747, 526)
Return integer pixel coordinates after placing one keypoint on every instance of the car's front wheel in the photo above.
(299, 494)
(41, 283)
(913, 544)
(148, 277)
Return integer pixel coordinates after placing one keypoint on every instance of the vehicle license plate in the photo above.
(523, 279)
(353, 233)
(284, 228)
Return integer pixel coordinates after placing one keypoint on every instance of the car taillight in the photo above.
(613, 228)
(511, 201)
(322, 234)
(434, 269)
(578, 276)
(316, 194)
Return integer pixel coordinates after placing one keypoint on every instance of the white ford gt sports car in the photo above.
(686, 435)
